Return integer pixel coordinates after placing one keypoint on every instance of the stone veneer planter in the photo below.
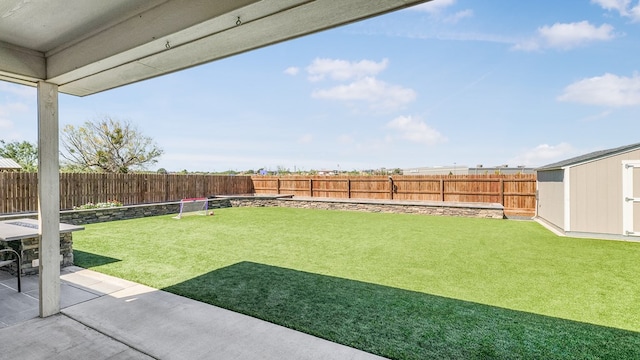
(28, 250)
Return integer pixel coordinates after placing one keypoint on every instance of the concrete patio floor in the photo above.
(104, 317)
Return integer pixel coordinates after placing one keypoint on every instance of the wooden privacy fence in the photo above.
(517, 193)
(19, 191)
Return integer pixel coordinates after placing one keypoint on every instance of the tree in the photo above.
(108, 145)
(24, 153)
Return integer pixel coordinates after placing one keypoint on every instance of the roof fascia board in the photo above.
(284, 25)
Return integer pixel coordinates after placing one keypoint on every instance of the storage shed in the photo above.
(593, 195)
(9, 165)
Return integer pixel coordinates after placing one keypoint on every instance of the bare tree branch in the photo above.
(108, 145)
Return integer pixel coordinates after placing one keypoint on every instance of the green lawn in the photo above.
(401, 286)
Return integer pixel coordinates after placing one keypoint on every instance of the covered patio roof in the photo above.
(88, 46)
(81, 47)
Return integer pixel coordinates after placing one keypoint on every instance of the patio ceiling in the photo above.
(88, 46)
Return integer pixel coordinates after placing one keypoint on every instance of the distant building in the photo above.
(327, 172)
(465, 170)
(437, 170)
(503, 169)
(9, 165)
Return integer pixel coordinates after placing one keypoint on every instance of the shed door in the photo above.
(630, 198)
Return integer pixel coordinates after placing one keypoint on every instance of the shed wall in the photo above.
(596, 195)
(551, 197)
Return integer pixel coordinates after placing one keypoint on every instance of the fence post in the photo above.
(348, 188)
(278, 186)
(442, 190)
(390, 188)
(311, 187)
(166, 187)
(502, 191)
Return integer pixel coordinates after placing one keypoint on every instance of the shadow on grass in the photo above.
(89, 260)
(401, 324)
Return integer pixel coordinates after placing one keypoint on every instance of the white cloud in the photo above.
(618, 5)
(12, 111)
(437, 11)
(345, 139)
(434, 6)
(377, 93)
(544, 154)
(416, 130)
(342, 70)
(527, 45)
(292, 70)
(27, 93)
(305, 139)
(574, 34)
(5, 124)
(599, 116)
(465, 36)
(23, 91)
(358, 83)
(605, 90)
(177, 161)
(624, 7)
(566, 36)
(11, 108)
(8, 131)
(7, 111)
(455, 18)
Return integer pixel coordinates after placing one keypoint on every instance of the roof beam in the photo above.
(254, 32)
(144, 34)
(21, 65)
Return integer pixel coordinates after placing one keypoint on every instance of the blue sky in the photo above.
(449, 82)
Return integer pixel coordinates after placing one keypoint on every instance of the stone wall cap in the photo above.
(448, 204)
(253, 196)
(27, 228)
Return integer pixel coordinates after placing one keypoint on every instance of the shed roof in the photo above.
(596, 155)
(9, 164)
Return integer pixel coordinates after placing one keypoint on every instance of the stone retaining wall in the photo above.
(92, 216)
(477, 210)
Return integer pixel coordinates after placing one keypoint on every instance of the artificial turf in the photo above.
(401, 286)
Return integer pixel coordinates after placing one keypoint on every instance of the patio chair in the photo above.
(9, 262)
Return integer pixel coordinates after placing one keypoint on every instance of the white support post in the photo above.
(48, 199)
(567, 199)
